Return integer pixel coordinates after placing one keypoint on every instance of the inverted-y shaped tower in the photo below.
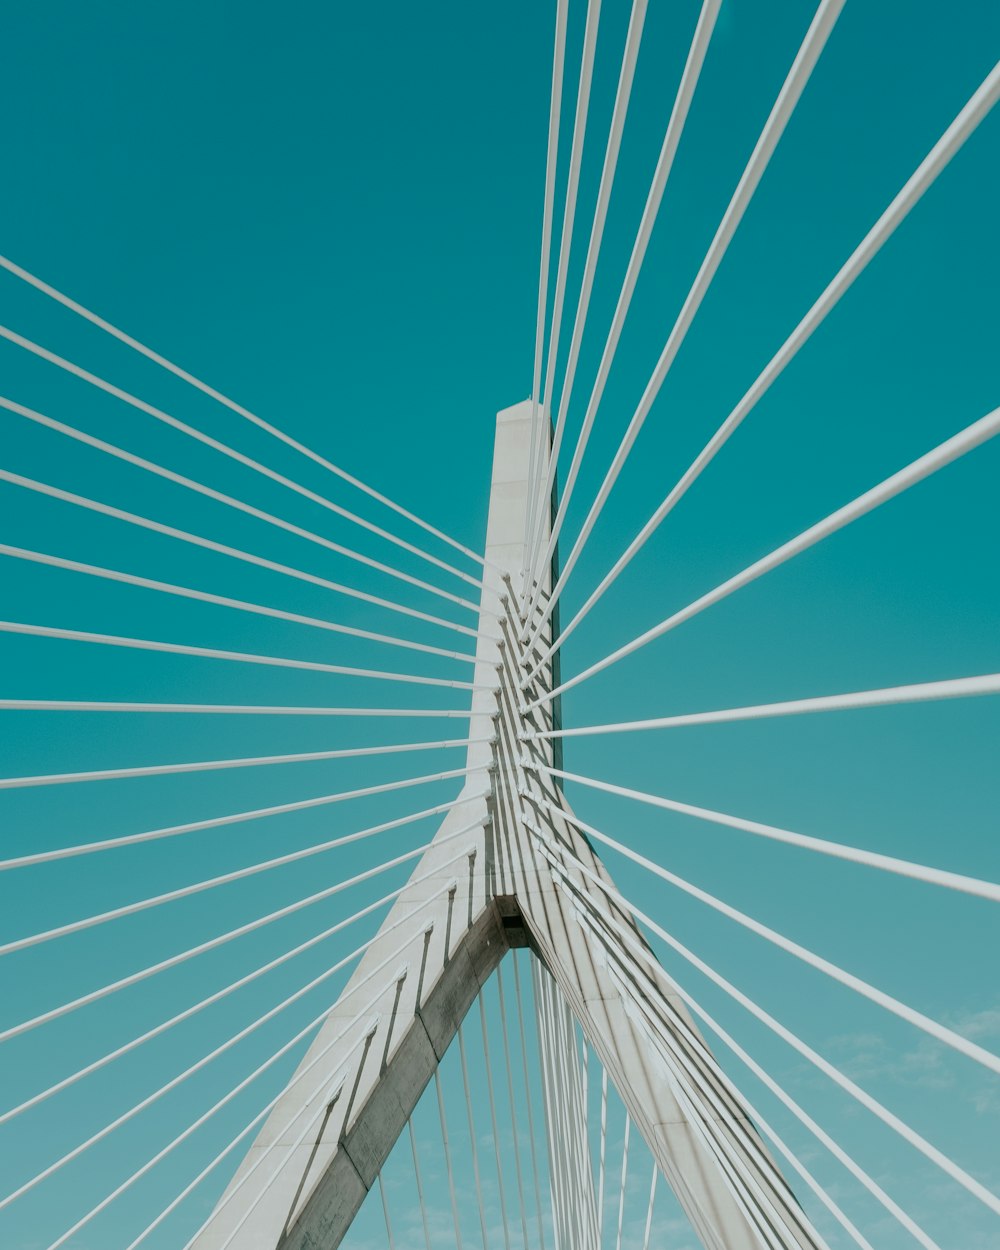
(507, 868)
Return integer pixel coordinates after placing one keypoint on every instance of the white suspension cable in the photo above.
(472, 1139)
(447, 1158)
(745, 1189)
(159, 415)
(198, 887)
(493, 1121)
(528, 1105)
(824, 1138)
(774, 1217)
(105, 1202)
(777, 1222)
(300, 1075)
(225, 709)
(569, 1139)
(127, 339)
(920, 181)
(601, 1155)
(420, 1186)
(691, 1038)
(192, 1185)
(695, 1041)
(621, 1193)
(325, 1090)
(649, 1211)
(241, 657)
(889, 696)
(973, 436)
(150, 970)
(537, 505)
(932, 1028)
(887, 863)
(788, 97)
(841, 1155)
(110, 1056)
(567, 1068)
(552, 152)
(304, 1071)
(174, 1082)
(821, 1193)
(252, 761)
(119, 453)
(236, 553)
(678, 116)
(585, 1059)
(229, 989)
(587, 1164)
(385, 1212)
(622, 94)
(203, 596)
(232, 818)
(515, 1132)
(792, 1039)
(563, 1216)
(222, 1102)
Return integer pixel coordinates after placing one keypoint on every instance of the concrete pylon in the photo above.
(486, 884)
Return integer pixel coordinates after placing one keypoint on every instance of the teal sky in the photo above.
(332, 213)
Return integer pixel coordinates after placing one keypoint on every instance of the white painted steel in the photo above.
(624, 1180)
(965, 1046)
(630, 56)
(212, 653)
(157, 900)
(838, 850)
(888, 696)
(158, 414)
(149, 466)
(173, 961)
(562, 265)
(968, 1182)
(232, 818)
(186, 1014)
(788, 97)
(528, 1102)
(420, 1186)
(512, 1101)
(649, 1212)
(204, 596)
(473, 1139)
(188, 1072)
(220, 709)
(625, 940)
(334, 1087)
(385, 1212)
(871, 1185)
(447, 1159)
(551, 157)
(19, 272)
(623, 93)
(939, 457)
(235, 553)
(678, 116)
(249, 761)
(501, 1191)
(919, 182)
(692, 1094)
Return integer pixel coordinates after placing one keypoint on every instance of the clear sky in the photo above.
(332, 213)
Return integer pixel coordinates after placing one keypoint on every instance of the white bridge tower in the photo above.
(508, 868)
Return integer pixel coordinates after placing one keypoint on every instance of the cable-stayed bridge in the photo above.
(395, 1078)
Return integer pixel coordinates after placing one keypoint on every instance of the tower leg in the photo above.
(480, 889)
